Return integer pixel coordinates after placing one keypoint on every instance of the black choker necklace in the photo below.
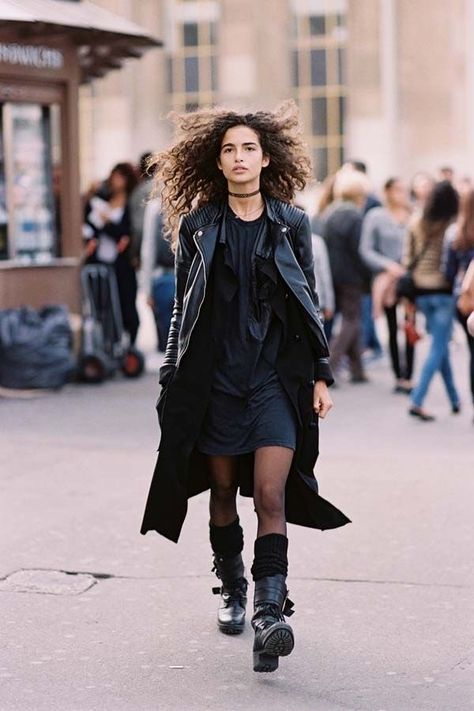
(244, 195)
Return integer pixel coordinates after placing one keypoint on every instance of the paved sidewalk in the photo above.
(384, 607)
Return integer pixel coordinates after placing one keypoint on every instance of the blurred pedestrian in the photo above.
(137, 202)
(324, 285)
(326, 199)
(470, 324)
(381, 247)
(446, 172)
(460, 269)
(369, 337)
(421, 186)
(464, 186)
(342, 236)
(157, 271)
(107, 231)
(434, 296)
(371, 201)
(246, 370)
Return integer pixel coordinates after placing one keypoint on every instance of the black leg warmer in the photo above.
(271, 556)
(227, 541)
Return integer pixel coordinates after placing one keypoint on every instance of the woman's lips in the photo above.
(239, 169)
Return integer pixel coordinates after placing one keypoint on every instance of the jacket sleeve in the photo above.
(322, 273)
(367, 247)
(184, 256)
(304, 256)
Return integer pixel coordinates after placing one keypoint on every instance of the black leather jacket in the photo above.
(288, 241)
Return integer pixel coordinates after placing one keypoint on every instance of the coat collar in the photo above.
(215, 230)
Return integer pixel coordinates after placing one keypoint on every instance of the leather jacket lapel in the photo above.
(290, 270)
(206, 240)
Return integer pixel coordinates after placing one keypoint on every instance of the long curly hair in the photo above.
(187, 176)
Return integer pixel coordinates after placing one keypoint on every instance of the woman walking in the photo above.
(246, 369)
(107, 230)
(433, 292)
(381, 248)
(460, 239)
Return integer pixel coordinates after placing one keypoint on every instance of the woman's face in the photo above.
(421, 186)
(397, 194)
(241, 157)
(117, 182)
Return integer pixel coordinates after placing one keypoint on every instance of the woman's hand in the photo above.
(123, 243)
(396, 270)
(322, 402)
(90, 248)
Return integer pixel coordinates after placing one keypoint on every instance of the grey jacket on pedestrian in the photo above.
(382, 239)
(151, 266)
(322, 274)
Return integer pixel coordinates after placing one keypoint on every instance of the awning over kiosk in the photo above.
(103, 39)
(47, 48)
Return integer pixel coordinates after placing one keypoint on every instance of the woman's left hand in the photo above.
(123, 243)
(322, 402)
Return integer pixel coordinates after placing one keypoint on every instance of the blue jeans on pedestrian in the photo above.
(438, 310)
(163, 298)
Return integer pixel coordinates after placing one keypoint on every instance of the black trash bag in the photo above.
(35, 348)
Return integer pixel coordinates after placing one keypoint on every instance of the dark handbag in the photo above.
(406, 287)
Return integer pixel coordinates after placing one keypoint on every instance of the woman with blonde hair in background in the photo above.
(342, 236)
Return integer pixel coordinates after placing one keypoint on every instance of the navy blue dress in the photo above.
(248, 407)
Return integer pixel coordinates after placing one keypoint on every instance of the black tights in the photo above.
(400, 373)
(271, 468)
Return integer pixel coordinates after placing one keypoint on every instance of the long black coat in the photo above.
(281, 273)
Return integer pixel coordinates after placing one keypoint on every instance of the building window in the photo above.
(318, 78)
(192, 63)
(30, 182)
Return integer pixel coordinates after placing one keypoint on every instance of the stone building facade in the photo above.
(387, 81)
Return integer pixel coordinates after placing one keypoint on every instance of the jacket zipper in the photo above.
(201, 303)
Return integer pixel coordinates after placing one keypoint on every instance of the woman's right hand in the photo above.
(396, 270)
(91, 247)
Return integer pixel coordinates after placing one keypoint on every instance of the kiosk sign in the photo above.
(36, 56)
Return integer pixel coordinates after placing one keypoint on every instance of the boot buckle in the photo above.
(288, 607)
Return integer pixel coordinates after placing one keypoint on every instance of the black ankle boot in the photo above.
(233, 591)
(273, 636)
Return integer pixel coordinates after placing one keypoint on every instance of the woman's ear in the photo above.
(265, 161)
(219, 164)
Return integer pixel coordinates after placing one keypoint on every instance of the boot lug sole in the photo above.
(264, 662)
(230, 629)
(279, 643)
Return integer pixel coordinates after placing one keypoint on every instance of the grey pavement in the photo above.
(384, 606)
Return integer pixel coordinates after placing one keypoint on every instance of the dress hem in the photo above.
(238, 453)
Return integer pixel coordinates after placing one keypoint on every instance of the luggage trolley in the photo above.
(105, 346)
